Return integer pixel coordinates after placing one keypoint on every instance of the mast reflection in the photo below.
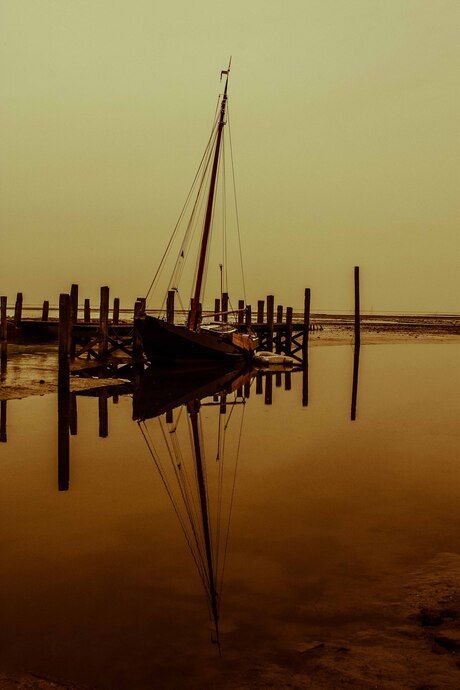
(201, 492)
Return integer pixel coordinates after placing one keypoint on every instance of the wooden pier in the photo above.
(106, 331)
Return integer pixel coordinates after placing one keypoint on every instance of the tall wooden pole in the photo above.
(3, 332)
(357, 309)
(74, 303)
(116, 311)
(18, 308)
(170, 306)
(104, 322)
(270, 319)
(306, 321)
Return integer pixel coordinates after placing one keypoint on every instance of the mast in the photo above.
(193, 322)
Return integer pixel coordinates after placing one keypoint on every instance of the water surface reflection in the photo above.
(328, 518)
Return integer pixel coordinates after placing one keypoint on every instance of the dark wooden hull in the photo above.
(171, 344)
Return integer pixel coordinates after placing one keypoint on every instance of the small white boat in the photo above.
(266, 358)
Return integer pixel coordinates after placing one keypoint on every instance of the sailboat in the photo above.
(195, 343)
(178, 447)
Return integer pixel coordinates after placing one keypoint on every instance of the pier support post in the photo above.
(18, 308)
(170, 306)
(260, 310)
(241, 311)
(270, 319)
(279, 335)
(87, 311)
(225, 307)
(137, 342)
(306, 322)
(64, 326)
(74, 303)
(116, 311)
(104, 322)
(248, 315)
(45, 310)
(288, 339)
(3, 332)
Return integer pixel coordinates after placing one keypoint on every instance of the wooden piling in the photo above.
(357, 309)
(87, 311)
(287, 381)
(45, 310)
(3, 332)
(137, 341)
(217, 309)
(288, 337)
(18, 308)
(241, 311)
(64, 332)
(170, 306)
(270, 320)
(306, 321)
(260, 310)
(259, 384)
(248, 315)
(225, 307)
(116, 311)
(104, 322)
(279, 335)
(74, 303)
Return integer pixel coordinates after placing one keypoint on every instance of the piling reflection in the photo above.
(3, 436)
(63, 424)
(354, 392)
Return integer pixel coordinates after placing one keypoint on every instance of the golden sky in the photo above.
(345, 127)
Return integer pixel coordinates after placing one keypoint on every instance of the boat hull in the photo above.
(171, 344)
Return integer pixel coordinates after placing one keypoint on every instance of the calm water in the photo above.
(98, 585)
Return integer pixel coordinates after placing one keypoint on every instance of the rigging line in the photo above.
(147, 437)
(184, 249)
(191, 225)
(236, 204)
(176, 471)
(180, 216)
(232, 496)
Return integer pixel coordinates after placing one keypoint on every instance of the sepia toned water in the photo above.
(326, 518)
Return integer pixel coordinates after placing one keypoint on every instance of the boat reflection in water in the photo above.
(170, 408)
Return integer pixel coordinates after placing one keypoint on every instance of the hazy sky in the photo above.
(345, 126)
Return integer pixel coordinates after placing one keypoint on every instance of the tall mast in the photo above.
(193, 322)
